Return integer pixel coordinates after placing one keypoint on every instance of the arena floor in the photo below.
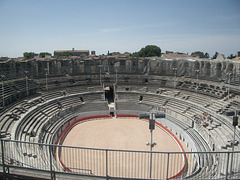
(120, 133)
(123, 134)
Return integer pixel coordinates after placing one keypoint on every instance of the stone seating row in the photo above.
(13, 90)
(189, 111)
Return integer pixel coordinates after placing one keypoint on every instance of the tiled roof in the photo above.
(72, 51)
(174, 55)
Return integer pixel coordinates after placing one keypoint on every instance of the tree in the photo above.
(28, 55)
(148, 51)
(113, 53)
(135, 54)
(200, 54)
(206, 55)
(231, 56)
(215, 55)
(66, 53)
(43, 54)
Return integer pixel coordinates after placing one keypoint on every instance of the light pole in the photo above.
(235, 123)
(46, 80)
(3, 101)
(151, 117)
(26, 82)
(116, 75)
(229, 81)
(197, 71)
(100, 66)
(116, 65)
(175, 75)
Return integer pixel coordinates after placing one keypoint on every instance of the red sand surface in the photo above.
(124, 134)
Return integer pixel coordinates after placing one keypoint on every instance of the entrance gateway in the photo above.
(109, 96)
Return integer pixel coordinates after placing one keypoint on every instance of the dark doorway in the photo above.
(109, 94)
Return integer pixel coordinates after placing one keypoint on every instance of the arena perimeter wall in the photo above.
(65, 132)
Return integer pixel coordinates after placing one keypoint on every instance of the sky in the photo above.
(119, 26)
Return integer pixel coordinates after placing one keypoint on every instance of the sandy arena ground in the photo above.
(124, 134)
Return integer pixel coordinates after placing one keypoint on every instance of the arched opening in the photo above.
(163, 67)
(207, 69)
(230, 67)
(186, 65)
(219, 70)
(197, 66)
(174, 64)
(109, 94)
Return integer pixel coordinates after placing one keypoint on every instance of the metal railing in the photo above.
(109, 163)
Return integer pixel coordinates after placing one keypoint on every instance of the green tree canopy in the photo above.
(113, 53)
(215, 55)
(148, 51)
(200, 54)
(43, 54)
(28, 54)
(66, 53)
(231, 56)
(206, 55)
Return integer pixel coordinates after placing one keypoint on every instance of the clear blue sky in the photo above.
(119, 25)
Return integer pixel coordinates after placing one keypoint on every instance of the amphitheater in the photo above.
(44, 99)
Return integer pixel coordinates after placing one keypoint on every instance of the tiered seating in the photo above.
(205, 89)
(132, 106)
(40, 118)
(15, 89)
(188, 105)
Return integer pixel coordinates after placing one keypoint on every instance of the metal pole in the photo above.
(3, 161)
(51, 163)
(3, 101)
(100, 75)
(197, 79)
(150, 168)
(106, 164)
(151, 146)
(197, 71)
(226, 172)
(27, 85)
(175, 74)
(46, 82)
(116, 75)
(229, 84)
(100, 66)
(167, 164)
(232, 150)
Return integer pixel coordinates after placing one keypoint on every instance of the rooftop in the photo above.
(72, 50)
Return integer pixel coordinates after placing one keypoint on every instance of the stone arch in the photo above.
(29, 67)
(207, 69)
(197, 65)
(7, 68)
(230, 67)
(70, 67)
(52, 69)
(186, 65)
(64, 67)
(105, 65)
(223, 65)
(128, 64)
(174, 64)
(40, 68)
(219, 70)
(163, 67)
(81, 66)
